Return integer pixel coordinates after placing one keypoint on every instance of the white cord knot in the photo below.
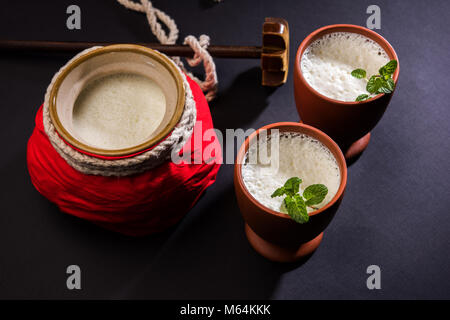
(209, 85)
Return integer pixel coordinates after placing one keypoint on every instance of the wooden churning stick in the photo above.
(274, 53)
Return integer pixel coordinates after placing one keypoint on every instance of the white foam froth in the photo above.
(118, 111)
(299, 156)
(328, 62)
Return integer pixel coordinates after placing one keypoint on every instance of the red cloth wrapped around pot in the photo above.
(135, 205)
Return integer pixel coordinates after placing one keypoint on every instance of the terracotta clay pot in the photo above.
(274, 234)
(348, 123)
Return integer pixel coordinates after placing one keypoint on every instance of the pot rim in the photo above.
(164, 60)
(352, 29)
(323, 137)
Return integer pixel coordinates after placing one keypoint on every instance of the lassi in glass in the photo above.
(300, 156)
(327, 63)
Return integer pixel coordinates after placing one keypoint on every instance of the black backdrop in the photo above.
(394, 214)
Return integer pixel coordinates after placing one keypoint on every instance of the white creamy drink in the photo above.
(118, 111)
(328, 62)
(299, 156)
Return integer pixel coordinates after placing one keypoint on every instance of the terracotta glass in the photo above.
(274, 234)
(348, 123)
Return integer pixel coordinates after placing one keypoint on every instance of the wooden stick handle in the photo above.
(246, 52)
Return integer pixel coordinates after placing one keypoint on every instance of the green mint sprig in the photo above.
(294, 203)
(379, 83)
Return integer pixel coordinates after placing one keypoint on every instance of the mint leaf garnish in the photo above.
(296, 208)
(359, 73)
(314, 194)
(390, 84)
(387, 86)
(278, 192)
(379, 83)
(362, 97)
(294, 203)
(292, 185)
(373, 84)
(388, 68)
(384, 88)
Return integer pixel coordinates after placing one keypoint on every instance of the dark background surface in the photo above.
(395, 213)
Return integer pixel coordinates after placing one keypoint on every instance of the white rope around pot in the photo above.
(199, 46)
(127, 166)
